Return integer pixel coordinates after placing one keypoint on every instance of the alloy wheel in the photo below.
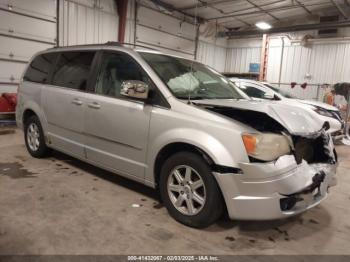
(33, 136)
(186, 190)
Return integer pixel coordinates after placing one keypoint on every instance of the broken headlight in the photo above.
(266, 147)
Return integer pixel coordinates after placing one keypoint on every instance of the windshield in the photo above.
(186, 78)
(280, 91)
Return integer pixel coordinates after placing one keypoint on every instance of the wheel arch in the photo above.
(173, 148)
(27, 113)
(29, 109)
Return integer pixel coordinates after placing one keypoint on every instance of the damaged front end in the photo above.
(292, 163)
(307, 140)
(317, 154)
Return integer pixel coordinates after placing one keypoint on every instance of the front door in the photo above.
(117, 127)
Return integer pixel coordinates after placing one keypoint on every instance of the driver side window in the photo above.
(114, 70)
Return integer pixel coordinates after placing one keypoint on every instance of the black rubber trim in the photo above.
(226, 169)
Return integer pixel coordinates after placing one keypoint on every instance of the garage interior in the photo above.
(60, 205)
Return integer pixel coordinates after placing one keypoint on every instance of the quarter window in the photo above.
(72, 70)
(115, 69)
(39, 69)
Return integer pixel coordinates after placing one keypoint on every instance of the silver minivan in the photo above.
(178, 126)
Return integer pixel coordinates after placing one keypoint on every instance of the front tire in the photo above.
(34, 138)
(189, 190)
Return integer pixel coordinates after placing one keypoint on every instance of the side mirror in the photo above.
(275, 97)
(135, 89)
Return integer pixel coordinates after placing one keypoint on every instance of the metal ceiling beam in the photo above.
(235, 19)
(263, 10)
(171, 8)
(303, 6)
(242, 21)
(222, 12)
(204, 4)
(285, 29)
(283, 8)
(340, 9)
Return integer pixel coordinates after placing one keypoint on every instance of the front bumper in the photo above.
(336, 129)
(338, 135)
(258, 193)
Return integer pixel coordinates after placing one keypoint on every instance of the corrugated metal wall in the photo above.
(211, 51)
(26, 27)
(87, 22)
(329, 63)
(211, 55)
(315, 64)
(291, 64)
(239, 58)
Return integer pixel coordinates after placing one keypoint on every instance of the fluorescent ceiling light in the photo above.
(263, 26)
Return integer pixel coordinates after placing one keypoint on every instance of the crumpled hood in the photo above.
(318, 104)
(295, 119)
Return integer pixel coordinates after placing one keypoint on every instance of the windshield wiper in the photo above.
(234, 98)
(192, 97)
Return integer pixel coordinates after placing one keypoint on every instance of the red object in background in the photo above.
(293, 84)
(303, 85)
(8, 102)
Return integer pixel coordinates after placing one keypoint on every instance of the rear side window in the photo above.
(72, 70)
(39, 69)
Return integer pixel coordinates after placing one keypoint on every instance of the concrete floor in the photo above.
(60, 205)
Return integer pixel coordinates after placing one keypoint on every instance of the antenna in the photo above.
(195, 24)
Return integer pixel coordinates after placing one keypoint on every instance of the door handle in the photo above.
(94, 105)
(77, 102)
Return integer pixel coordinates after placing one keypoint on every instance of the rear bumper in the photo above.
(19, 116)
(260, 192)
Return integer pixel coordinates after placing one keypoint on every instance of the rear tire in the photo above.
(189, 190)
(34, 138)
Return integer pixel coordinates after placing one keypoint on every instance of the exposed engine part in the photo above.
(315, 148)
(259, 121)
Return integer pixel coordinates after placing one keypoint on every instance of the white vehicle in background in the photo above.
(264, 90)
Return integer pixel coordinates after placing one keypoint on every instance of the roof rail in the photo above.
(82, 45)
(129, 44)
(112, 43)
(108, 43)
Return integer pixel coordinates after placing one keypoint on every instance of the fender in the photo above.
(216, 150)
